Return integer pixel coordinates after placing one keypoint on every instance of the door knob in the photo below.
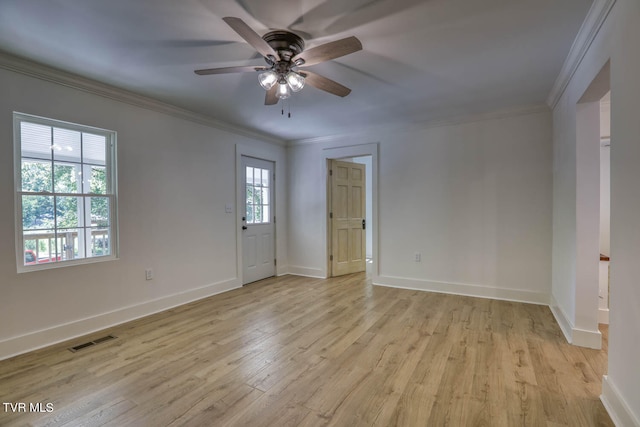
(244, 227)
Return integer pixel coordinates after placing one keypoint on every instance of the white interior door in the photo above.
(258, 228)
(348, 243)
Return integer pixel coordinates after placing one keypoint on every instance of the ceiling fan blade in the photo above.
(323, 83)
(227, 70)
(251, 37)
(327, 51)
(270, 98)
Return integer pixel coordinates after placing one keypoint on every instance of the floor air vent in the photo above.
(92, 343)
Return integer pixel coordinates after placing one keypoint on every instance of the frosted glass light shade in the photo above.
(283, 91)
(267, 79)
(295, 80)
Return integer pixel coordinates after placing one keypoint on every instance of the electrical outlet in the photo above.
(148, 274)
(418, 257)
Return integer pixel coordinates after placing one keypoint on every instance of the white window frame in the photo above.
(112, 191)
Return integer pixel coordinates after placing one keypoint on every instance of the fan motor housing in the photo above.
(286, 43)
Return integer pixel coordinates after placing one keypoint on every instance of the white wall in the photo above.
(175, 177)
(575, 223)
(474, 199)
(616, 40)
(621, 388)
(585, 330)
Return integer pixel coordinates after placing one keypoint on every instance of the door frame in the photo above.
(246, 151)
(344, 152)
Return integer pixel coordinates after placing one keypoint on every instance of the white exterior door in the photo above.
(348, 253)
(258, 228)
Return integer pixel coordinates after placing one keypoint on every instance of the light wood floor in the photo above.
(297, 351)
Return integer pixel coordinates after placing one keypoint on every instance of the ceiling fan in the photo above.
(285, 56)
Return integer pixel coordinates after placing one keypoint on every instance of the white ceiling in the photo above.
(423, 60)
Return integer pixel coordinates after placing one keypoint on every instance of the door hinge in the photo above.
(330, 172)
(330, 257)
(275, 261)
(330, 214)
(274, 219)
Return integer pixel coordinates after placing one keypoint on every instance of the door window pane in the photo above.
(257, 201)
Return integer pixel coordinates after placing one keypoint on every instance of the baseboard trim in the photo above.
(315, 273)
(59, 333)
(561, 318)
(573, 335)
(478, 291)
(588, 339)
(618, 409)
(603, 316)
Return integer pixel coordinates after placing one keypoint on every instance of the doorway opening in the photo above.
(347, 215)
(605, 208)
(363, 156)
(592, 211)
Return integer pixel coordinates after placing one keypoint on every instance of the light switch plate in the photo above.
(228, 208)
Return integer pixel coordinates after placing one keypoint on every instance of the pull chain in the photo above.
(288, 108)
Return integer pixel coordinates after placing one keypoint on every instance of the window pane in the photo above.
(98, 182)
(29, 257)
(250, 191)
(249, 214)
(67, 212)
(35, 140)
(37, 212)
(36, 176)
(100, 242)
(265, 214)
(257, 176)
(257, 196)
(265, 177)
(66, 145)
(94, 149)
(39, 247)
(257, 214)
(100, 212)
(65, 177)
(265, 196)
(69, 244)
(249, 175)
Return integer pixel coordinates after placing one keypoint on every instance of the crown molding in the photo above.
(39, 71)
(404, 127)
(591, 25)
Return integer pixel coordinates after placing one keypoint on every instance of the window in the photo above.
(65, 178)
(257, 186)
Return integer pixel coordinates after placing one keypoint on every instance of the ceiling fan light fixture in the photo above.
(295, 81)
(267, 79)
(283, 91)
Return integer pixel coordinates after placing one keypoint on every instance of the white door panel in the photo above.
(347, 217)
